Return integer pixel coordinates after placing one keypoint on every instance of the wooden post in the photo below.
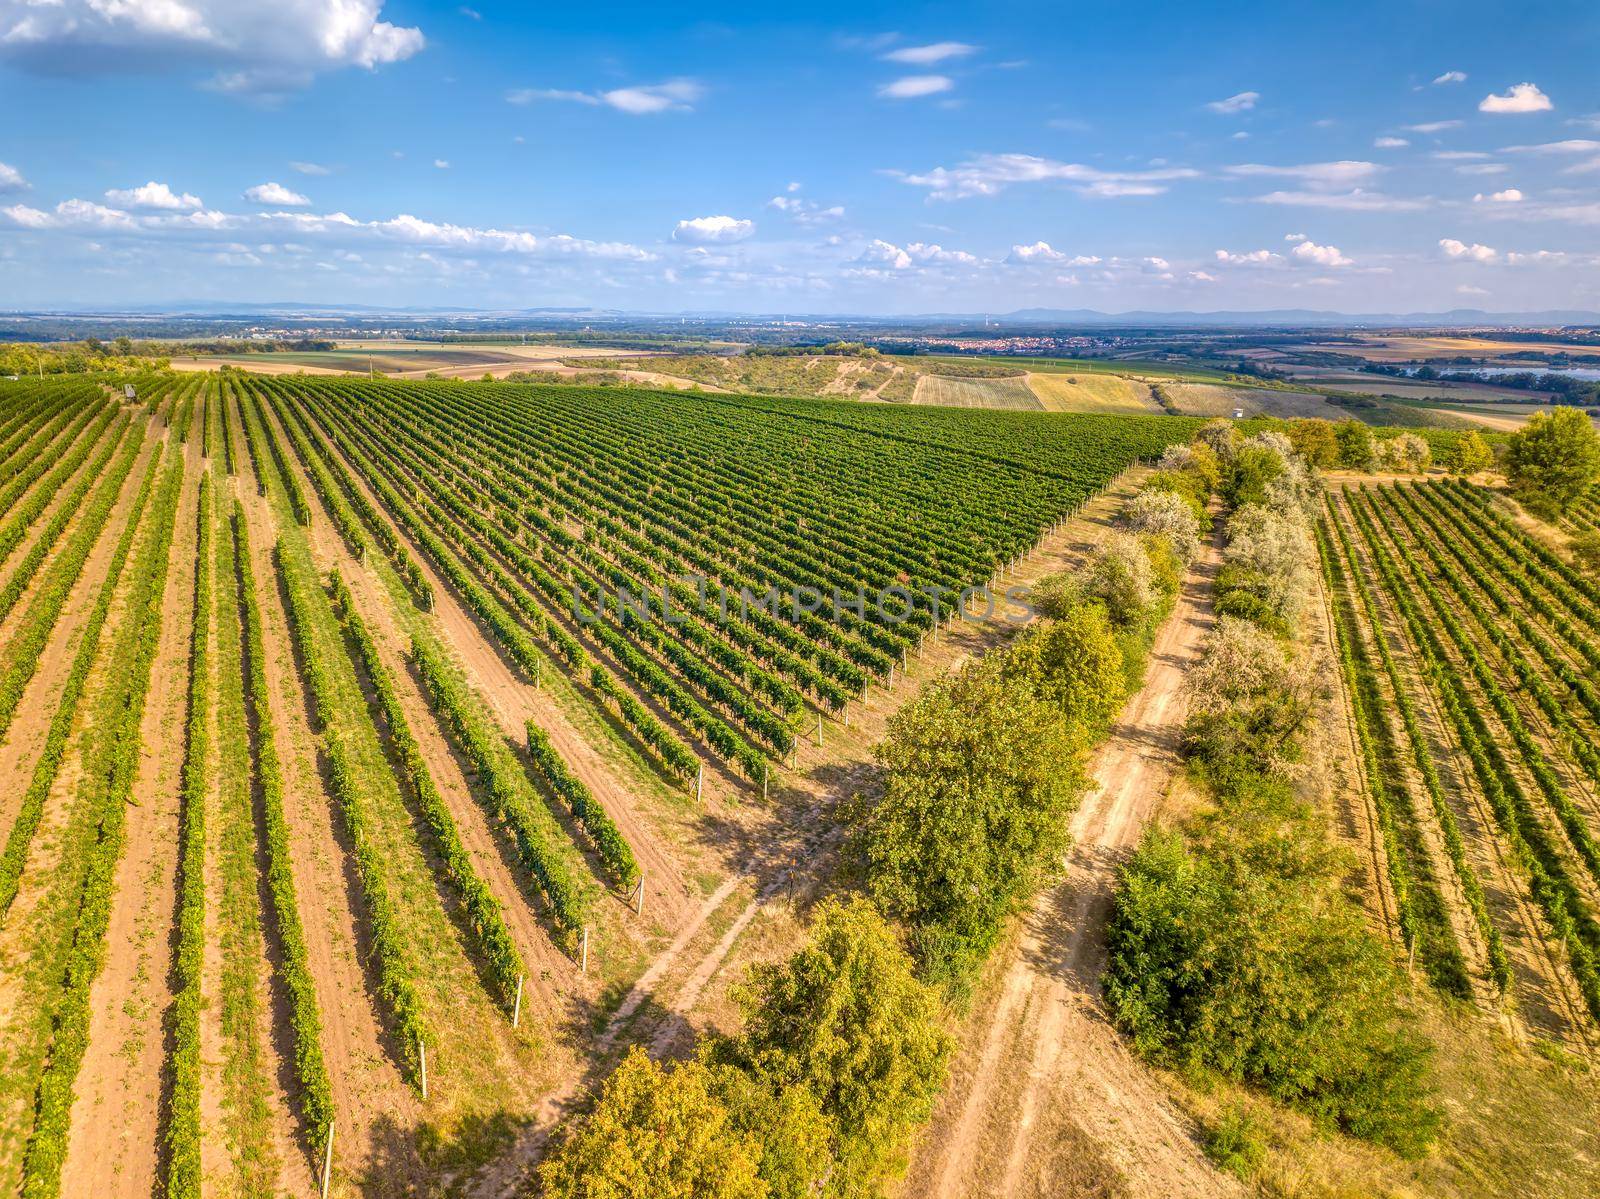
(700, 783)
(516, 1009)
(904, 665)
(327, 1162)
(638, 895)
(764, 776)
(819, 729)
(422, 1055)
(794, 756)
(890, 683)
(584, 965)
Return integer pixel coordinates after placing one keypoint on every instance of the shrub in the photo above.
(1316, 441)
(1074, 664)
(1356, 445)
(1167, 514)
(1120, 577)
(1468, 454)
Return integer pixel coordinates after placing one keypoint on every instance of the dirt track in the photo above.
(1047, 1052)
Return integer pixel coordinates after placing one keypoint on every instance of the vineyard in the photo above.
(1468, 647)
(365, 746)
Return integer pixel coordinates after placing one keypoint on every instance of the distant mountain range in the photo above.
(1055, 318)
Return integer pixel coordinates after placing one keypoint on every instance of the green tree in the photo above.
(1252, 469)
(1585, 549)
(1316, 441)
(796, 1137)
(846, 1019)
(1552, 460)
(658, 1132)
(979, 776)
(1468, 454)
(1074, 664)
(1357, 448)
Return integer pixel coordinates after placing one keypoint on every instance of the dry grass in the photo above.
(1091, 393)
(948, 392)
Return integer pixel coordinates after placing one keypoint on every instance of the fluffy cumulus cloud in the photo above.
(713, 230)
(1240, 102)
(926, 56)
(154, 195)
(640, 100)
(880, 253)
(1044, 252)
(1247, 257)
(1310, 251)
(1509, 196)
(1520, 98)
(252, 45)
(1390, 143)
(1451, 77)
(11, 179)
(1465, 252)
(990, 174)
(914, 87)
(276, 195)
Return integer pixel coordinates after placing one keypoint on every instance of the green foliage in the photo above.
(1316, 441)
(1240, 954)
(658, 1132)
(1468, 454)
(1236, 1143)
(485, 920)
(1553, 460)
(1357, 448)
(591, 817)
(845, 1018)
(114, 753)
(510, 798)
(980, 774)
(1585, 551)
(1074, 664)
(1249, 472)
(183, 1121)
(314, 1093)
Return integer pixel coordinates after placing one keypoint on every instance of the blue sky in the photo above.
(870, 158)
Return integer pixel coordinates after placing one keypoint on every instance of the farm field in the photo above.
(948, 392)
(1468, 647)
(1090, 393)
(406, 359)
(329, 815)
(1383, 347)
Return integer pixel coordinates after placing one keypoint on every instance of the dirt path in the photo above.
(1049, 1052)
(113, 1145)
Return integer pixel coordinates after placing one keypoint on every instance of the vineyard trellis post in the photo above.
(583, 965)
(516, 1007)
(327, 1162)
(422, 1059)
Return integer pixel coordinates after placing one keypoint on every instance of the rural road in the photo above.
(1049, 1070)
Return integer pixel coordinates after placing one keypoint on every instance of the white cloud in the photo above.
(255, 45)
(1241, 102)
(1310, 251)
(71, 214)
(880, 253)
(153, 195)
(1356, 200)
(1474, 252)
(990, 174)
(11, 179)
(1467, 289)
(912, 87)
(1522, 97)
(441, 164)
(275, 195)
(1536, 256)
(675, 95)
(926, 56)
(1571, 145)
(1248, 258)
(1451, 77)
(1390, 143)
(311, 168)
(803, 211)
(1482, 168)
(1313, 174)
(1043, 252)
(1295, 237)
(1510, 196)
(1433, 126)
(713, 230)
